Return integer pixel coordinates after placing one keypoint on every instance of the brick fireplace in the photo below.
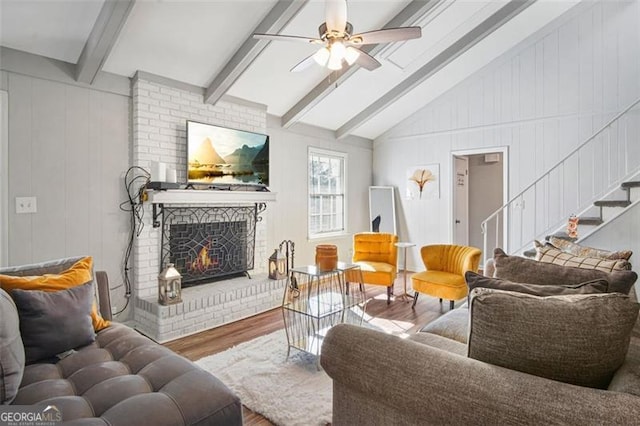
(223, 293)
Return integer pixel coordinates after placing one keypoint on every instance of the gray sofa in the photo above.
(123, 378)
(381, 379)
(511, 355)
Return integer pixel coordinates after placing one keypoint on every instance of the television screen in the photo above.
(219, 155)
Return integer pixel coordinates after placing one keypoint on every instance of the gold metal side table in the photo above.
(314, 301)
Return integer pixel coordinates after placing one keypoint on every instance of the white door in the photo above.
(461, 201)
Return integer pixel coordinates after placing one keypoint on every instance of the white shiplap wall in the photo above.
(69, 148)
(541, 100)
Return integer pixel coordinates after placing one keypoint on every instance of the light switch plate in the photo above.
(26, 205)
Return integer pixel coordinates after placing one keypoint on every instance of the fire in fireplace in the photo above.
(203, 252)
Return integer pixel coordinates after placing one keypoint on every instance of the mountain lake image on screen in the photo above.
(220, 155)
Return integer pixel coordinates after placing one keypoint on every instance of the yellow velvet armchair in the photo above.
(446, 266)
(377, 255)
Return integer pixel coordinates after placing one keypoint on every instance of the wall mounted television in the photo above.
(220, 155)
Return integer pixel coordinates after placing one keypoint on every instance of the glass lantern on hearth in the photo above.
(169, 286)
(277, 265)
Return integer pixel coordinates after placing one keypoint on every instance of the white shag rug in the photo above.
(288, 392)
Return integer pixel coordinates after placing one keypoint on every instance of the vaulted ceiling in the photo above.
(208, 43)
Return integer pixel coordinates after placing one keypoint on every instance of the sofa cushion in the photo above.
(550, 254)
(53, 276)
(579, 339)
(11, 350)
(476, 280)
(584, 251)
(52, 322)
(453, 325)
(519, 269)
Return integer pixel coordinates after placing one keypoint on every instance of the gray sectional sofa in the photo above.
(456, 370)
(122, 378)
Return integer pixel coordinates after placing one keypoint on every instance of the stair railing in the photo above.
(588, 172)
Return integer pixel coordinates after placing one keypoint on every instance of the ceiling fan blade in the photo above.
(304, 64)
(336, 15)
(279, 37)
(386, 36)
(367, 61)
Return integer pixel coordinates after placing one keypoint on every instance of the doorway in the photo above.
(461, 200)
(479, 180)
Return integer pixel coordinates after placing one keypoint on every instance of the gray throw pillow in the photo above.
(521, 270)
(52, 322)
(11, 350)
(580, 339)
(476, 280)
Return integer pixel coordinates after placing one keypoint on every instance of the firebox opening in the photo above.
(206, 252)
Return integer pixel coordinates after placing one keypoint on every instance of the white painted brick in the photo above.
(169, 91)
(198, 314)
(179, 100)
(145, 85)
(160, 96)
(151, 102)
(159, 109)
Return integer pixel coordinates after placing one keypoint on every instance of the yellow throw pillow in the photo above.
(80, 273)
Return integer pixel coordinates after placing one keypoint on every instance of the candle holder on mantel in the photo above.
(169, 286)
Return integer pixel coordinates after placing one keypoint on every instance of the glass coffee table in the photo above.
(314, 301)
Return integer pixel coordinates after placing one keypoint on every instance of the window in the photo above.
(326, 192)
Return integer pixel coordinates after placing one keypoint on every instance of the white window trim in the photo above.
(345, 161)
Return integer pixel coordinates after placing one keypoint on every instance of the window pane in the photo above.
(327, 206)
(326, 192)
(314, 224)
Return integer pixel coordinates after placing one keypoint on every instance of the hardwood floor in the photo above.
(397, 318)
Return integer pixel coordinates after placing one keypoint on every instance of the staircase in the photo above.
(597, 181)
(607, 209)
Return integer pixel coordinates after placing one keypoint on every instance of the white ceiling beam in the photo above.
(409, 15)
(113, 15)
(273, 23)
(463, 44)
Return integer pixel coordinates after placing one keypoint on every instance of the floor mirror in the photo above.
(382, 209)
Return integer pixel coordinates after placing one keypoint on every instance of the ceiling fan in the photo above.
(339, 44)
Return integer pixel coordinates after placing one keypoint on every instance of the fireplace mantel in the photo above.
(206, 197)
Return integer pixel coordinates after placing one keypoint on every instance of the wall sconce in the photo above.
(169, 286)
(277, 265)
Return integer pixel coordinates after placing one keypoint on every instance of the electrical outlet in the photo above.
(26, 205)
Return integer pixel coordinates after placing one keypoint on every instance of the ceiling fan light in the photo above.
(337, 55)
(338, 50)
(322, 56)
(351, 55)
(334, 63)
